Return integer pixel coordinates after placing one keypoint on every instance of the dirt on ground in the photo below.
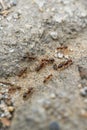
(43, 65)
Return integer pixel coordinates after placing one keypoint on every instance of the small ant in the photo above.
(29, 57)
(22, 71)
(42, 65)
(44, 62)
(65, 64)
(14, 89)
(49, 77)
(7, 83)
(50, 60)
(62, 48)
(27, 94)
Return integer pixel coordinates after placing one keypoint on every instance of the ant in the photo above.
(29, 57)
(50, 60)
(27, 94)
(62, 48)
(13, 89)
(42, 65)
(22, 72)
(44, 62)
(65, 64)
(49, 77)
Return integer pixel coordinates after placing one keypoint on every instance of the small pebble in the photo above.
(54, 35)
(83, 92)
(11, 50)
(71, 49)
(60, 55)
(2, 115)
(6, 105)
(53, 96)
(9, 18)
(54, 126)
(10, 109)
(16, 15)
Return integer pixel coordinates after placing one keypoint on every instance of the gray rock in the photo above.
(64, 19)
(83, 91)
(54, 126)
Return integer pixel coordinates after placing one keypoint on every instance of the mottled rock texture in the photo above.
(40, 26)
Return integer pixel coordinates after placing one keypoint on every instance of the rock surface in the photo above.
(39, 27)
(36, 25)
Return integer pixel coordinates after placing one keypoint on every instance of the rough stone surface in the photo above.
(31, 31)
(40, 27)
